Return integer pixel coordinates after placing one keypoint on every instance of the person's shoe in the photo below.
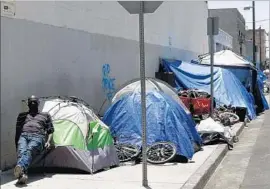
(18, 171)
(23, 179)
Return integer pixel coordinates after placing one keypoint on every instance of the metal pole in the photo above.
(254, 73)
(143, 95)
(260, 47)
(211, 36)
(254, 29)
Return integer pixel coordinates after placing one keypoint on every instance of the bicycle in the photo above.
(226, 115)
(126, 152)
(157, 153)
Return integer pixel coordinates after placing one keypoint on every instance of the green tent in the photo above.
(82, 140)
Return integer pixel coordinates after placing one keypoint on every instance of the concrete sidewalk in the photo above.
(231, 171)
(169, 176)
(258, 170)
(247, 166)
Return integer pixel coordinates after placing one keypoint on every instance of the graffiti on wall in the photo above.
(107, 82)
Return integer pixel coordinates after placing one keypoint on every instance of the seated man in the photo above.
(32, 129)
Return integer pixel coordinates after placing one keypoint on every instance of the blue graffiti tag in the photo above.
(107, 82)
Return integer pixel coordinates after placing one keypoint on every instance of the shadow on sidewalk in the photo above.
(7, 177)
(33, 178)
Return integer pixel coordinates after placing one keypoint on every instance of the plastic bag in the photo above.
(209, 126)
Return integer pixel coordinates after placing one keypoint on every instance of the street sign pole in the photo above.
(141, 7)
(143, 93)
(212, 29)
(212, 72)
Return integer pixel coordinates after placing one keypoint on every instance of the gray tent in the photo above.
(82, 141)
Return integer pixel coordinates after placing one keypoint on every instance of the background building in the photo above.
(60, 48)
(223, 41)
(232, 22)
(261, 45)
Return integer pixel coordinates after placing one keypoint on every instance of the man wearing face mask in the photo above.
(32, 130)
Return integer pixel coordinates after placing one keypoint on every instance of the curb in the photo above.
(199, 179)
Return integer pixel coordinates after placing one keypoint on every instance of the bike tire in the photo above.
(231, 114)
(126, 152)
(164, 158)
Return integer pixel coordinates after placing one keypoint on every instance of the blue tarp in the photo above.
(228, 89)
(260, 79)
(244, 75)
(262, 76)
(166, 121)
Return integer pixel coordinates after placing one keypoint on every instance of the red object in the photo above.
(201, 105)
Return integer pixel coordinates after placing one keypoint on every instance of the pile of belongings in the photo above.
(213, 132)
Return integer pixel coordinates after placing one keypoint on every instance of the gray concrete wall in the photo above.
(173, 24)
(59, 48)
(47, 60)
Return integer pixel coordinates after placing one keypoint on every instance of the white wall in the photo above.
(184, 22)
(53, 48)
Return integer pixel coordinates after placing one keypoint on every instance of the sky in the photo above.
(261, 11)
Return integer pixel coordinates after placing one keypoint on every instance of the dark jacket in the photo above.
(43, 121)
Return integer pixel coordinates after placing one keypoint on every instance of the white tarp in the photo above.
(226, 58)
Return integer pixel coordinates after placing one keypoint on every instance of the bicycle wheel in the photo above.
(126, 152)
(161, 152)
(232, 116)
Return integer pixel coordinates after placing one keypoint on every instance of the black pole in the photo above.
(254, 45)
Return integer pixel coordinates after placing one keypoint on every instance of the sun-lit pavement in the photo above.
(258, 170)
(169, 176)
(230, 173)
(248, 165)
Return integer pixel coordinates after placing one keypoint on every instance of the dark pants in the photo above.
(29, 145)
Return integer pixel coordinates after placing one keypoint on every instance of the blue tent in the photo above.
(228, 89)
(166, 121)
